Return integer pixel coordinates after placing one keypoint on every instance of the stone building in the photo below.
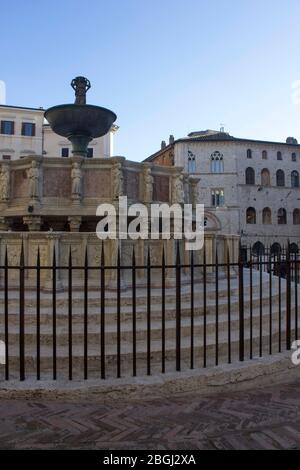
(249, 187)
(23, 131)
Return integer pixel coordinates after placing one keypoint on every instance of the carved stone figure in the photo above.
(33, 175)
(148, 185)
(118, 180)
(76, 181)
(178, 190)
(5, 183)
(81, 85)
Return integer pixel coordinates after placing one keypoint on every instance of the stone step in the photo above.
(156, 356)
(141, 326)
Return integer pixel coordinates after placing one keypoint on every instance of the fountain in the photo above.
(80, 123)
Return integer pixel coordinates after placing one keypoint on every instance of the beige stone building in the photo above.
(23, 131)
(249, 187)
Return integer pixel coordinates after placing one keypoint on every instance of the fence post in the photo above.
(241, 307)
(178, 310)
(288, 299)
(6, 314)
(22, 320)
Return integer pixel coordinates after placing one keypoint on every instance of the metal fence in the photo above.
(257, 312)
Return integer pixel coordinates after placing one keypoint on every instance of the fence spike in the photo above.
(22, 255)
(70, 256)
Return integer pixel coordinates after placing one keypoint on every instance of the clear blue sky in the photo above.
(164, 66)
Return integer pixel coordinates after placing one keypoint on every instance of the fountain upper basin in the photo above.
(84, 120)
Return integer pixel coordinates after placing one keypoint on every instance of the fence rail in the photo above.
(210, 314)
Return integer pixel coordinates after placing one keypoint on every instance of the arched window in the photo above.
(258, 249)
(296, 217)
(251, 216)
(265, 177)
(250, 176)
(191, 162)
(265, 155)
(295, 179)
(282, 217)
(276, 249)
(217, 163)
(249, 153)
(280, 178)
(267, 216)
(294, 248)
(279, 156)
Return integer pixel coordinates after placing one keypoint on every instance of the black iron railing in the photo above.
(258, 305)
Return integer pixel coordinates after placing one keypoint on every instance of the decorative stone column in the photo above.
(33, 222)
(33, 175)
(75, 223)
(76, 176)
(117, 178)
(148, 181)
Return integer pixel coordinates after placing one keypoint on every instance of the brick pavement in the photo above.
(267, 418)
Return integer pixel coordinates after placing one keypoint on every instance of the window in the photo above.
(217, 197)
(279, 156)
(90, 153)
(267, 216)
(295, 179)
(282, 217)
(294, 157)
(251, 216)
(293, 247)
(265, 177)
(265, 155)
(28, 129)
(296, 217)
(217, 163)
(250, 176)
(280, 178)
(258, 249)
(276, 249)
(6, 157)
(191, 162)
(65, 152)
(249, 153)
(7, 127)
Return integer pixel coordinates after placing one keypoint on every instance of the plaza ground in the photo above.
(262, 418)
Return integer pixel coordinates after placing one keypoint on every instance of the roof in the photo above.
(21, 107)
(216, 136)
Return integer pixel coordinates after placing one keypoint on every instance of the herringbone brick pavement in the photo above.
(266, 418)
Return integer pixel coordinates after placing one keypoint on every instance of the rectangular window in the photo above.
(65, 152)
(90, 153)
(6, 157)
(294, 157)
(217, 198)
(28, 129)
(7, 127)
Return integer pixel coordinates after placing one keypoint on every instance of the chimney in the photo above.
(2, 92)
(171, 140)
(163, 144)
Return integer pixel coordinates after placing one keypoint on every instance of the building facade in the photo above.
(249, 187)
(23, 131)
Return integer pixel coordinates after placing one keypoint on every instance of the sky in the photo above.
(163, 66)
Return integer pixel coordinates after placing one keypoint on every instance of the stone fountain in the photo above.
(80, 123)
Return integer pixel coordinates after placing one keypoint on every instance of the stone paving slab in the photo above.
(262, 418)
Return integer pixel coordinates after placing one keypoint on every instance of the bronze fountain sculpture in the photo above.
(80, 123)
